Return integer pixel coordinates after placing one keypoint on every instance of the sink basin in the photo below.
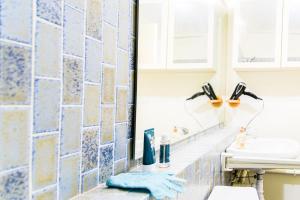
(267, 148)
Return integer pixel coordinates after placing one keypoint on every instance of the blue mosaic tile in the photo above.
(16, 20)
(15, 74)
(111, 11)
(106, 163)
(90, 147)
(46, 105)
(50, 10)
(73, 31)
(72, 81)
(93, 59)
(47, 50)
(69, 177)
(14, 185)
(120, 141)
(94, 19)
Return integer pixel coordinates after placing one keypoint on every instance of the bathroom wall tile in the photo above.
(89, 181)
(108, 84)
(132, 56)
(72, 81)
(73, 31)
(109, 44)
(131, 109)
(131, 87)
(107, 125)
(123, 27)
(93, 59)
(120, 167)
(106, 163)
(120, 141)
(15, 74)
(49, 10)
(111, 11)
(47, 50)
(70, 130)
(46, 105)
(122, 68)
(44, 163)
(91, 105)
(48, 194)
(16, 26)
(14, 185)
(78, 4)
(14, 135)
(69, 177)
(94, 19)
(121, 112)
(90, 144)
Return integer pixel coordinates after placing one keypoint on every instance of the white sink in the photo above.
(267, 148)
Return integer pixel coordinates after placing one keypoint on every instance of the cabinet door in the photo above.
(291, 34)
(257, 33)
(152, 34)
(190, 38)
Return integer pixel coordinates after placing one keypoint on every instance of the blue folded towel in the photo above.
(160, 185)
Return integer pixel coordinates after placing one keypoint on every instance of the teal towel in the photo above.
(160, 185)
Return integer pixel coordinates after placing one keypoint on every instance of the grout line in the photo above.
(90, 171)
(89, 127)
(71, 106)
(92, 83)
(58, 172)
(109, 65)
(47, 78)
(32, 100)
(49, 187)
(43, 134)
(16, 42)
(15, 106)
(83, 98)
(39, 19)
(72, 56)
(7, 171)
(94, 39)
(73, 7)
(70, 155)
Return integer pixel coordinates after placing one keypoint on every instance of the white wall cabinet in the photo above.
(191, 34)
(176, 34)
(291, 34)
(257, 27)
(266, 34)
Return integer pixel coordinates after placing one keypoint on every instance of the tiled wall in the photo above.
(66, 95)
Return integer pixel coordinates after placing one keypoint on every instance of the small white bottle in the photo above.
(164, 151)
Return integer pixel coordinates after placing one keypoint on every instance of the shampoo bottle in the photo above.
(149, 150)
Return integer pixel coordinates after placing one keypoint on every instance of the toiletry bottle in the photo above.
(164, 151)
(149, 150)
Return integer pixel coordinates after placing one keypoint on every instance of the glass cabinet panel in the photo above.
(152, 33)
(258, 31)
(293, 31)
(191, 34)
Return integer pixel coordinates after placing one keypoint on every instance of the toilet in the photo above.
(233, 193)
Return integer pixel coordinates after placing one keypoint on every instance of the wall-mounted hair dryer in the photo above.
(207, 90)
(240, 90)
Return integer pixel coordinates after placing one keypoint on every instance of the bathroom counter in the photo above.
(197, 148)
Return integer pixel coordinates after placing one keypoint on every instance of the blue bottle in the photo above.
(164, 151)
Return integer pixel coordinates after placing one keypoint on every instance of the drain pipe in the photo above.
(260, 183)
